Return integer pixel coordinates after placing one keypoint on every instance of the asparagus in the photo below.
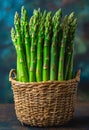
(22, 62)
(47, 40)
(33, 33)
(54, 55)
(62, 50)
(30, 26)
(40, 49)
(44, 46)
(22, 27)
(68, 51)
(70, 69)
(14, 40)
(69, 45)
(26, 40)
(44, 15)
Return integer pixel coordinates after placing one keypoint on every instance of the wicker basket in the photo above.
(44, 103)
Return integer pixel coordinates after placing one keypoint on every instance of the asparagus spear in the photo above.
(26, 40)
(33, 33)
(22, 62)
(40, 48)
(22, 27)
(70, 68)
(47, 40)
(62, 49)
(69, 45)
(14, 40)
(54, 55)
(44, 15)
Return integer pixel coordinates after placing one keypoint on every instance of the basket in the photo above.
(47, 103)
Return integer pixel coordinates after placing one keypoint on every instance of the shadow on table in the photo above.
(78, 122)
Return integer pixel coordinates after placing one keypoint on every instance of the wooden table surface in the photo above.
(8, 120)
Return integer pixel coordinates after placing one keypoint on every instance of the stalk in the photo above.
(68, 47)
(27, 45)
(62, 50)
(22, 27)
(33, 33)
(54, 55)
(70, 69)
(14, 40)
(22, 62)
(46, 53)
(40, 49)
(27, 40)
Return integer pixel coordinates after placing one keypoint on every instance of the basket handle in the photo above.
(78, 75)
(12, 74)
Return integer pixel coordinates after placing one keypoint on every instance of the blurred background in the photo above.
(7, 50)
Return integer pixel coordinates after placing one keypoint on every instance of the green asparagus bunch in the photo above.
(44, 45)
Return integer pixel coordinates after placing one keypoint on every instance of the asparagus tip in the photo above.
(12, 30)
(71, 15)
(16, 16)
(22, 9)
(75, 20)
(13, 34)
(39, 10)
(59, 12)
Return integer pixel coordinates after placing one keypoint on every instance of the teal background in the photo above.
(7, 50)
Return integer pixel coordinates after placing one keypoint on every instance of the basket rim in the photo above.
(13, 79)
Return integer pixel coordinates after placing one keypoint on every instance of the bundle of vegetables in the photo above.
(44, 45)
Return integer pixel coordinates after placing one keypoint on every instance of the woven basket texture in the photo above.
(47, 103)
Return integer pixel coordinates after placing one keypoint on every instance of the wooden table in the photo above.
(8, 120)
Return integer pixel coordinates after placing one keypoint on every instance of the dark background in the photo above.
(7, 50)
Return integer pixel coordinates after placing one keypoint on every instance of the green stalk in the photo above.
(14, 40)
(27, 45)
(33, 33)
(22, 62)
(62, 50)
(68, 46)
(70, 69)
(27, 40)
(54, 55)
(47, 40)
(22, 27)
(40, 49)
